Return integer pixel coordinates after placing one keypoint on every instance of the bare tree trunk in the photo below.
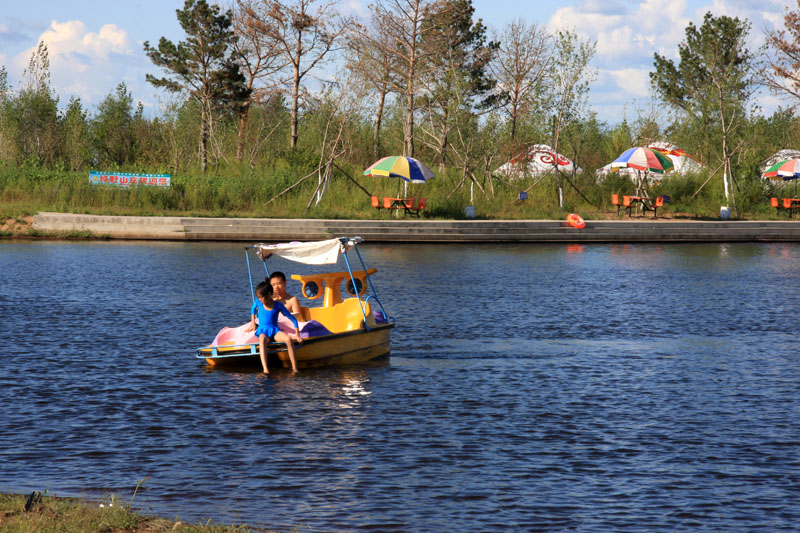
(409, 126)
(244, 114)
(443, 142)
(377, 129)
(412, 64)
(556, 133)
(727, 175)
(295, 99)
(203, 136)
(513, 121)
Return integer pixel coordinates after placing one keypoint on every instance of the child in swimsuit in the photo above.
(267, 309)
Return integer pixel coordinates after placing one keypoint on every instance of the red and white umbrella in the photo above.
(645, 159)
(784, 170)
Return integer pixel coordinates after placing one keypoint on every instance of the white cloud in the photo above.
(775, 20)
(628, 34)
(72, 37)
(584, 21)
(82, 62)
(624, 35)
(617, 42)
(633, 81)
(356, 8)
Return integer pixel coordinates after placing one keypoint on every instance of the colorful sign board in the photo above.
(125, 179)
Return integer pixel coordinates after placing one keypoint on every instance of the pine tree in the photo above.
(204, 65)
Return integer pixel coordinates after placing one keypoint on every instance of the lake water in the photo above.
(530, 387)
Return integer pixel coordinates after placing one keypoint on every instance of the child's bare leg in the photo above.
(262, 340)
(287, 340)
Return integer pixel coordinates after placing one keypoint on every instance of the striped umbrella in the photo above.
(784, 170)
(397, 166)
(645, 159)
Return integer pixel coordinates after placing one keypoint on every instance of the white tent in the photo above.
(684, 163)
(540, 158)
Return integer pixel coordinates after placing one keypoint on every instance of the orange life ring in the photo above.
(576, 221)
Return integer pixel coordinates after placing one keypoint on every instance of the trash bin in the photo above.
(469, 211)
(724, 212)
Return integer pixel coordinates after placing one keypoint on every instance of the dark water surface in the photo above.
(552, 387)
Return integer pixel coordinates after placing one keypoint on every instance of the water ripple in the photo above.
(592, 388)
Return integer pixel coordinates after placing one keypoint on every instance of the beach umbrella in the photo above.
(644, 159)
(784, 170)
(398, 166)
(672, 151)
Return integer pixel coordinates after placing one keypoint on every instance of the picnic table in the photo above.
(410, 206)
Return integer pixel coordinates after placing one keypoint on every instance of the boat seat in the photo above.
(344, 316)
(303, 315)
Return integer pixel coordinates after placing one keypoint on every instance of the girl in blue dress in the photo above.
(266, 310)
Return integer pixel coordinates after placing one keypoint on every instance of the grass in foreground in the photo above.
(50, 514)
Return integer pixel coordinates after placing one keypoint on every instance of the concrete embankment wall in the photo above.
(410, 230)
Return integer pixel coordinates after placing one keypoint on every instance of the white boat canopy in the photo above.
(310, 253)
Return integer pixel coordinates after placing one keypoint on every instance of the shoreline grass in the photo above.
(55, 514)
(26, 191)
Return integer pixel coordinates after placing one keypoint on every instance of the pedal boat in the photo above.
(343, 331)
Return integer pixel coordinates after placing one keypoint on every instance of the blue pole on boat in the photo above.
(249, 273)
(353, 281)
(369, 282)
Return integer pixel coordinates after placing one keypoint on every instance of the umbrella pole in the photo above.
(397, 211)
(638, 185)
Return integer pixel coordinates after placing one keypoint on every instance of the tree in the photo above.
(5, 96)
(457, 80)
(569, 80)
(305, 36)
(521, 66)
(405, 30)
(782, 73)
(75, 149)
(369, 59)
(112, 128)
(204, 65)
(261, 60)
(31, 117)
(5, 88)
(712, 82)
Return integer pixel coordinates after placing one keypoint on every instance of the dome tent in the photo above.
(540, 158)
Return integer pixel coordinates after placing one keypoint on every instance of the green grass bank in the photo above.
(280, 193)
(46, 514)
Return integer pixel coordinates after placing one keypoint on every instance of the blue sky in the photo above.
(94, 45)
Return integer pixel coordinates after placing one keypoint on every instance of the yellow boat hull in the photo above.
(350, 347)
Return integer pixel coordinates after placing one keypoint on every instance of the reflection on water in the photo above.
(585, 387)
